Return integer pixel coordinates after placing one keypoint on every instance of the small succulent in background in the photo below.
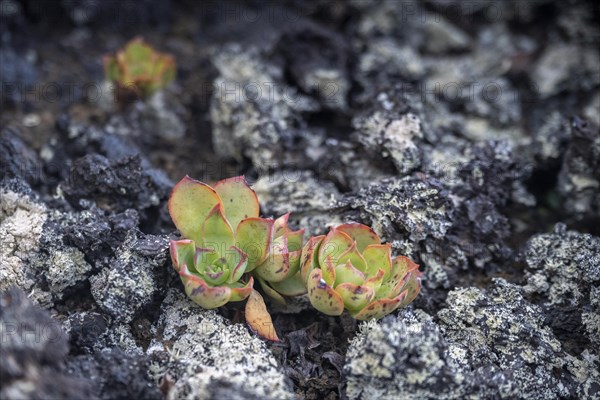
(139, 70)
(226, 240)
(350, 269)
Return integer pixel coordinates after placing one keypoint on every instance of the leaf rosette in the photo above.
(350, 269)
(226, 240)
(139, 68)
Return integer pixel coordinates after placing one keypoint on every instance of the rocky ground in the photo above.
(466, 134)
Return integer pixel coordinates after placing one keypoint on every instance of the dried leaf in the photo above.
(258, 318)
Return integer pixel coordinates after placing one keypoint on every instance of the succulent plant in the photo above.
(139, 69)
(227, 245)
(279, 273)
(225, 240)
(349, 268)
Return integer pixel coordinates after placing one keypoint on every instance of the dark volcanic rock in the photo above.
(115, 375)
(260, 117)
(402, 357)
(563, 266)
(563, 273)
(418, 208)
(33, 349)
(113, 185)
(129, 282)
(317, 59)
(498, 330)
(217, 353)
(448, 127)
(579, 178)
(17, 160)
(85, 330)
(19, 73)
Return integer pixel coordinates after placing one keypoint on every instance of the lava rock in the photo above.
(113, 185)
(419, 208)
(115, 374)
(22, 219)
(159, 116)
(563, 270)
(211, 352)
(317, 59)
(497, 329)
(85, 329)
(253, 112)
(19, 73)
(17, 160)
(33, 350)
(115, 14)
(443, 36)
(403, 357)
(391, 131)
(310, 200)
(551, 139)
(579, 178)
(128, 284)
(562, 266)
(563, 66)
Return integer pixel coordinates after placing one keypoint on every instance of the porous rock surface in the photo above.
(486, 344)
(34, 348)
(201, 352)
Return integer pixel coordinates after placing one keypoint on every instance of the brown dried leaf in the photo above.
(258, 318)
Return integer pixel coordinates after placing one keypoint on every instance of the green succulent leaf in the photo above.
(239, 200)
(354, 256)
(253, 236)
(281, 225)
(237, 261)
(203, 258)
(294, 262)
(379, 308)
(272, 293)
(375, 281)
(402, 265)
(378, 256)
(182, 252)
(322, 296)
(328, 271)
(355, 297)
(276, 266)
(334, 245)
(294, 240)
(240, 291)
(308, 260)
(138, 54)
(216, 274)
(216, 231)
(362, 234)
(292, 286)
(412, 287)
(138, 69)
(111, 68)
(347, 273)
(189, 205)
(203, 294)
(352, 263)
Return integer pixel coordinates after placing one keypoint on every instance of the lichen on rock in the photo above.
(203, 348)
(128, 283)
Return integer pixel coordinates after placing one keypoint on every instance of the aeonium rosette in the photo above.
(349, 268)
(225, 240)
(139, 68)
